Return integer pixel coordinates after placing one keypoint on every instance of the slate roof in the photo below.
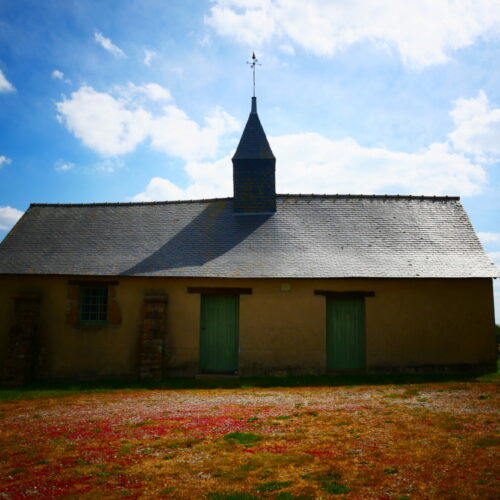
(253, 144)
(309, 237)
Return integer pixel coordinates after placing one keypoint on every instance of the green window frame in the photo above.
(93, 305)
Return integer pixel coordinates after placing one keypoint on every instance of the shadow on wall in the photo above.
(209, 235)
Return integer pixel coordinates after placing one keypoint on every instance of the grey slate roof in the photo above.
(253, 144)
(309, 237)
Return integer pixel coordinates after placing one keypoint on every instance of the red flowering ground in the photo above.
(433, 440)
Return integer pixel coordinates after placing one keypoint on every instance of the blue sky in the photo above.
(146, 99)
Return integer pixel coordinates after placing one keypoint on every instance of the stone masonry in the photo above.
(23, 338)
(152, 337)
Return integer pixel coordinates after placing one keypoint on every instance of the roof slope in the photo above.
(309, 237)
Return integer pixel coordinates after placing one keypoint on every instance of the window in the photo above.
(93, 305)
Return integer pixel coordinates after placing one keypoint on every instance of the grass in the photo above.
(324, 440)
(61, 389)
(245, 438)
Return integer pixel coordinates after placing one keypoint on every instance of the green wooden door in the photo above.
(219, 335)
(345, 334)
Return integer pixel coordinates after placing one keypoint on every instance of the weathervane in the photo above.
(253, 63)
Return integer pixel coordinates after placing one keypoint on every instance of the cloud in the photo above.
(148, 56)
(317, 164)
(312, 163)
(103, 123)
(208, 180)
(130, 93)
(5, 85)
(63, 166)
(422, 32)
(59, 75)
(160, 189)
(4, 160)
(108, 165)
(115, 125)
(477, 128)
(8, 217)
(174, 133)
(489, 237)
(108, 45)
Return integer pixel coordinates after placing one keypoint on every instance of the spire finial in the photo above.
(253, 63)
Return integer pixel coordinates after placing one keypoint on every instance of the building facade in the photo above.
(255, 284)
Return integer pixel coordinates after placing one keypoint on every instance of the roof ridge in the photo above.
(383, 196)
(281, 195)
(126, 203)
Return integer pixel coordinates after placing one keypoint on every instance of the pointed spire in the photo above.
(253, 143)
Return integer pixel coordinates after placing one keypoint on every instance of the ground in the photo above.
(405, 441)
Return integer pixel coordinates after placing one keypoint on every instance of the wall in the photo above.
(418, 323)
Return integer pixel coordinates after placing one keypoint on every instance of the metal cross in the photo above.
(253, 63)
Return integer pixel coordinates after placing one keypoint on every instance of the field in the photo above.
(433, 439)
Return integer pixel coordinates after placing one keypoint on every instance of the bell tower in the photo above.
(254, 167)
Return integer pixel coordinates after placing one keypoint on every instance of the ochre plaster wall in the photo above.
(409, 323)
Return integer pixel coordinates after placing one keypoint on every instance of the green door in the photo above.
(345, 334)
(219, 335)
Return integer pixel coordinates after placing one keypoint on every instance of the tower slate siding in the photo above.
(255, 185)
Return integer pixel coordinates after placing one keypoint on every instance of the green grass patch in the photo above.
(391, 471)
(245, 438)
(335, 488)
(230, 496)
(285, 495)
(487, 441)
(273, 486)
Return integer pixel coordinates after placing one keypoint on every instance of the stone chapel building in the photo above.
(260, 283)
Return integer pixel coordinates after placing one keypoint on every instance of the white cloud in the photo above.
(489, 237)
(287, 49)
(477, 129)
(208, 180)
(205, 40)
(63, 166)
(148, 56)
(423, 32)
(8, 217)
(108, 45)
(59, 75)
(5, 85)
(161, 189)
(117, 125)
(176, 134)
(311, 163)
(317, 164)
(102, 122)
(108, 165)
(130, 93)
(4, 160)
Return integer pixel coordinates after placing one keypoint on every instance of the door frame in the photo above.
(220, 290)
(359, 294)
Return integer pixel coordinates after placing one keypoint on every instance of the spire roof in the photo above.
(253, 143)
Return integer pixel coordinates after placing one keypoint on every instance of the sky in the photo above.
(141, 100)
